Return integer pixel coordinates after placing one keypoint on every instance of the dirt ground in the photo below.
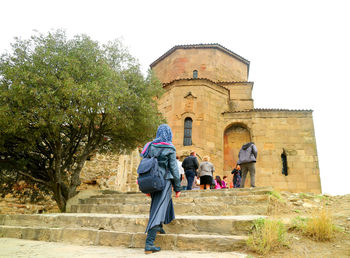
(303, 205)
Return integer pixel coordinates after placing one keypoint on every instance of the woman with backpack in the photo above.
(162, 209)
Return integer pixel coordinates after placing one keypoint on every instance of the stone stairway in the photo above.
(211, 220)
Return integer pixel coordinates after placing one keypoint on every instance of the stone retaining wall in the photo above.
(113, 172)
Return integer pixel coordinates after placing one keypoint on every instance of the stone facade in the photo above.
(208, 84)
(210, 61)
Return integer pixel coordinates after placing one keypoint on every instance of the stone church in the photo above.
(208, 104)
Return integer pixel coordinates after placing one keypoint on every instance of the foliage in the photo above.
(319, 227)
(277, 203)
(7, 182)
(322, 197)
(15, 184)
(298, 222)
(23, 191)
(266, 236)
(276, 195)
(62, 99)
(305, 196)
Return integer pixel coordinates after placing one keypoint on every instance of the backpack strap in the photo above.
(156, 156)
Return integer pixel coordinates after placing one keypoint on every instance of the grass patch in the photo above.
(277, 204)
(322, 197)
(304, 196)
(319, 227)
(266, 236)
(298, 223)
(276, 195)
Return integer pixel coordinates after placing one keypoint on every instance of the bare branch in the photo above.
(34, 179)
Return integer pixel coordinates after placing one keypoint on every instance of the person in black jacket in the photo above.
(190, 165)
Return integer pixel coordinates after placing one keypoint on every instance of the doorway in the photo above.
(234, 137)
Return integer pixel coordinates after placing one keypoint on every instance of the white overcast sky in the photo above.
(299, 51)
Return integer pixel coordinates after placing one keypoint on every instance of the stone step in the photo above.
(196, 193)
(88, 236)
(233, 200)
(224, 225)
(210, 209)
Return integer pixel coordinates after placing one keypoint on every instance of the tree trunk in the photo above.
(75, 179)
(60, 193)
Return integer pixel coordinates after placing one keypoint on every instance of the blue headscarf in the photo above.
(164, 135)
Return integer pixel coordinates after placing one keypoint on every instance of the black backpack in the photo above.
(150, 178)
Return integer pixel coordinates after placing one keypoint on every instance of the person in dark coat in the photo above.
(190, 165)
(247, 159)
(162, 209)
(237, 175)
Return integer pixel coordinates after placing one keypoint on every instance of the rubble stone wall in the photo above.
(109, 171)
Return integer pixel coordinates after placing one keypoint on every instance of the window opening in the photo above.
(284, 163)
(195, 74)
(188, 132)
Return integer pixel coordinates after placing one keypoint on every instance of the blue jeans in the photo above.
(190, 178)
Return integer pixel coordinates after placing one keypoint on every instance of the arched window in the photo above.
(188, 132)
(284, 163)
(195, 74)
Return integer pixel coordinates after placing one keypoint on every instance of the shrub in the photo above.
(304, 196)
(319, 227)
(276, 194)
(266, 236)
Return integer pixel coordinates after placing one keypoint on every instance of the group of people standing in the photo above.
(191, 168)
(246, 163)
(162, 209)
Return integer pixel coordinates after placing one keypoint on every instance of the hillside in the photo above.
(303, 205)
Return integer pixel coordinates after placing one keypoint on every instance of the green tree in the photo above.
(63, 99)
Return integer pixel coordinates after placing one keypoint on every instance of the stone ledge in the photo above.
(183, 242)
(225, 225)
